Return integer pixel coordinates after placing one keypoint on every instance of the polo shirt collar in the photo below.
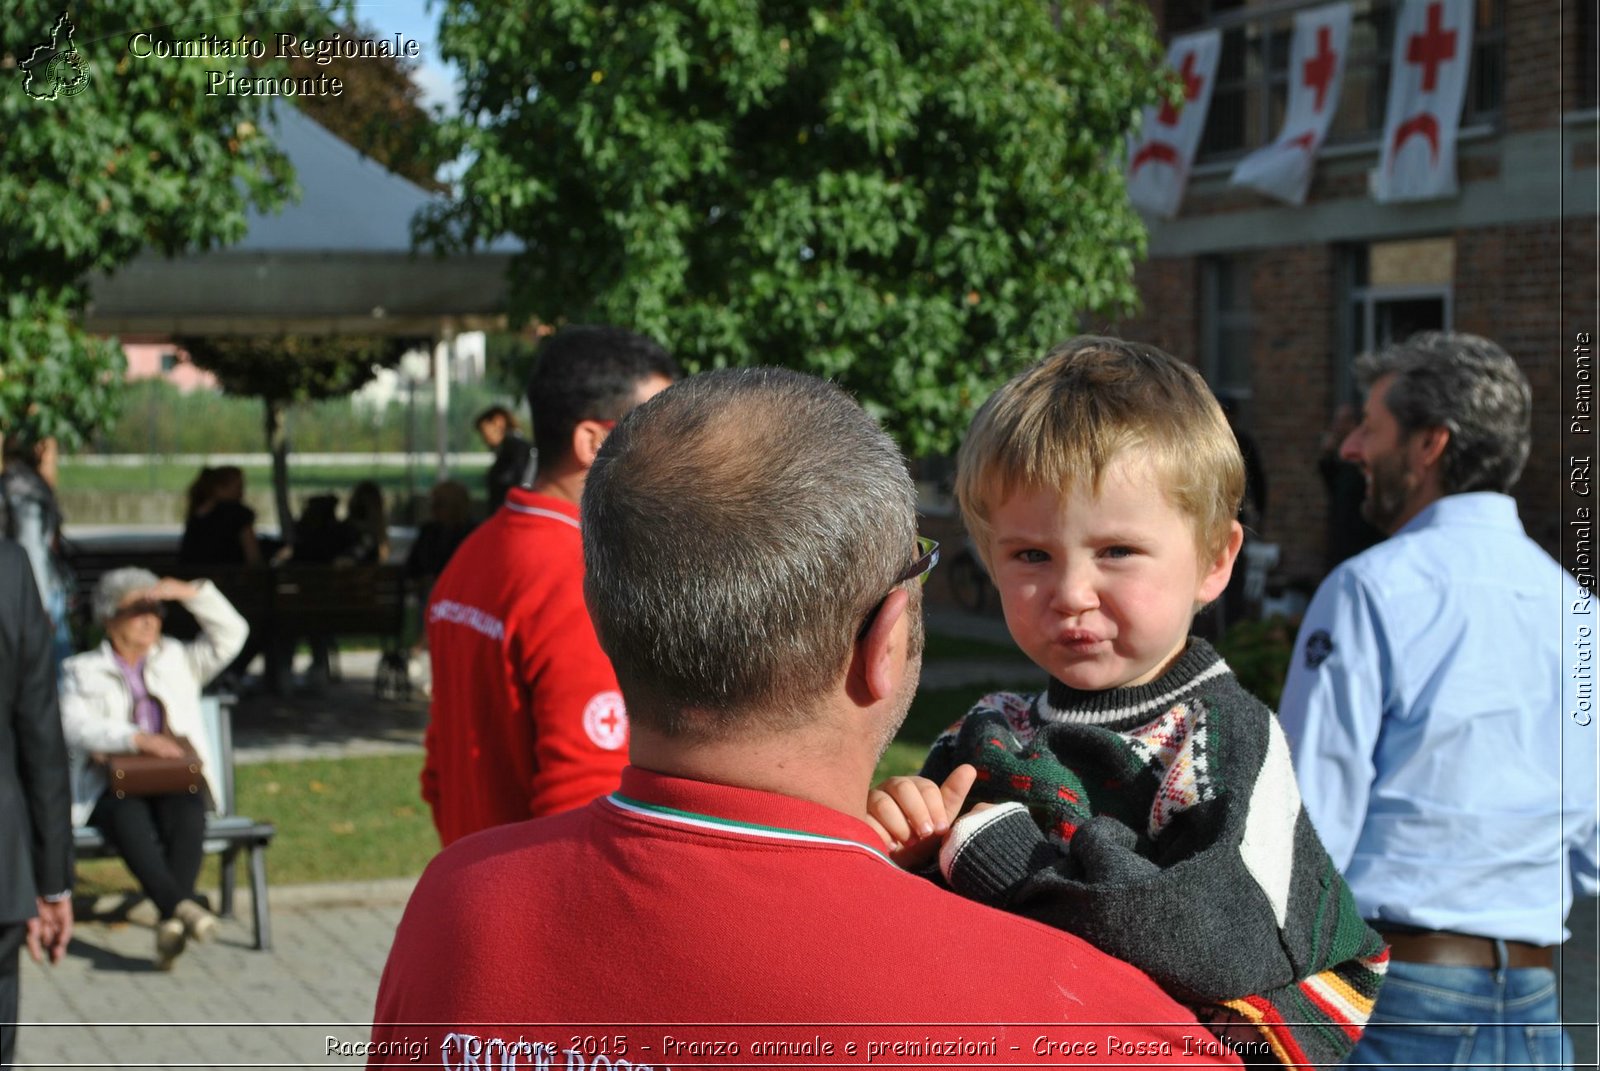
(525, 503)
(740, 812)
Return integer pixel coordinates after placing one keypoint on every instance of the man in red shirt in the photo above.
(526, 718)
(750, 537)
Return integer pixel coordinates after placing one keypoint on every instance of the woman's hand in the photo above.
(162, 747)
(170, 589)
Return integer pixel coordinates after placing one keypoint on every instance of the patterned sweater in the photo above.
(1163, 824)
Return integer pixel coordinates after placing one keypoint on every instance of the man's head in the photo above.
(586, 379)
(738, 532)
(494, 424)
(1101, 487)
(1446, 413)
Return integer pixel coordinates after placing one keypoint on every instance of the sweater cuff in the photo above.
(987, 854)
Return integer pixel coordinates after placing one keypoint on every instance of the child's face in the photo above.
(1100, 589)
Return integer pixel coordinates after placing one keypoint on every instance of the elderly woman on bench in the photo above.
(134, 694)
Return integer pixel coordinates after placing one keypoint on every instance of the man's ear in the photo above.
(586, 439)
(1429, 444)
(1220, 569)
(878, 660)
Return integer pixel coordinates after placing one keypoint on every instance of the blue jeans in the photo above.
(1464, 1017)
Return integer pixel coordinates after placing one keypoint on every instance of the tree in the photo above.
(904, 195)
(284, 369)
(107, 153)
(380, 111)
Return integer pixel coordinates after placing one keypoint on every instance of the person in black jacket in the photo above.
(35, 800)
(497, 426)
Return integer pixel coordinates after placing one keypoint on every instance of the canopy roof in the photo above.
(337, 261)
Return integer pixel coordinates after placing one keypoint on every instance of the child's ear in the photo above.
(1220, 569)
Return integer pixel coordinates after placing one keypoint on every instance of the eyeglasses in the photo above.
(143, 606)
(917, 570)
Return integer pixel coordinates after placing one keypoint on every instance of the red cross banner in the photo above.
(1316, 73)
(1427, 86)
(1158, 161)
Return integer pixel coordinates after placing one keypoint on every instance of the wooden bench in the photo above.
(226, 832)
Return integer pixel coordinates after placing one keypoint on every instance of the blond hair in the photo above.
(1060, 424)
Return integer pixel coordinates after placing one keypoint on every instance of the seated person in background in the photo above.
(449, 522)
(133, 694)
(1146, 800)
(368, 522)
(497, 426)
(219, 528)
(320, 537)
(750, 538)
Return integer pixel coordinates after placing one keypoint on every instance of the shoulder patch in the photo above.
(605, 720)
(1319, 645)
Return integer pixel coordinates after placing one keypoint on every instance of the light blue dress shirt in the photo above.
(1439, 755)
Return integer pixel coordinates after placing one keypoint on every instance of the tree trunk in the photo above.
(278, 446)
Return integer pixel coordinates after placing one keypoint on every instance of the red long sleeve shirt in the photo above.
(527, 719)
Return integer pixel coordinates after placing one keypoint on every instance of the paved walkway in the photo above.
(223, 1004)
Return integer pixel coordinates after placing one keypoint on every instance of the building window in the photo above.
(1251, 93)
(169, 361)
(1225, 327)
(1395, 290)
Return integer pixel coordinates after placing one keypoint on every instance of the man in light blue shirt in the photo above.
(1450, 778)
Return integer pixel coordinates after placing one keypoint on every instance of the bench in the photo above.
(226, 832)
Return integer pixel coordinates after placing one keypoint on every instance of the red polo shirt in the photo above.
(679, 924)
(526, 718)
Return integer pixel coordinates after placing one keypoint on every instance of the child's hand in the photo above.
(912, 814)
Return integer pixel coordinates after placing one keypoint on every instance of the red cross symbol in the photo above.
(609, 721)
(1168, 115)
(1433, 48)
(1318, 70)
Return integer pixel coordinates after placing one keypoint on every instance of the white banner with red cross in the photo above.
(1316, 74)
(1427, 87)
(1158, 162)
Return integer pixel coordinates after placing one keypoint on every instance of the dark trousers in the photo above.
(160, 838)
(11, 938)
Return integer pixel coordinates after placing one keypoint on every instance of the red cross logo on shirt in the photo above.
(1433, 48)
(1318, 70)
(1168, 115)
(605, 721)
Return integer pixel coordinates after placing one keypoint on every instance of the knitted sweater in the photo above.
(1163, 824)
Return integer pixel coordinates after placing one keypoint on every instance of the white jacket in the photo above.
(97, 707)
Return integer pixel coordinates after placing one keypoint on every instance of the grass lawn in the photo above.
(171, 478)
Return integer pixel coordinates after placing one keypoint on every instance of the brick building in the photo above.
(1274, 301)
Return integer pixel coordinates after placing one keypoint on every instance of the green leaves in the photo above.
(144, 158)
(909, 196)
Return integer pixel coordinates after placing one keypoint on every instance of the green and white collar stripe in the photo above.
(729, 825)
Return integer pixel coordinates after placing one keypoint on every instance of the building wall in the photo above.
(1524, 274)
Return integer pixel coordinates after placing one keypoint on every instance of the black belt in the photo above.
(1445, 949)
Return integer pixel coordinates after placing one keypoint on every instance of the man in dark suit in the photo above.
(35, 801)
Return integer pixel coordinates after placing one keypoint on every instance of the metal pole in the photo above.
(442, 354)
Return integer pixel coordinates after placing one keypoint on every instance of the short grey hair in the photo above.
(116, 586)
(1469, 386)
(737, 529)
